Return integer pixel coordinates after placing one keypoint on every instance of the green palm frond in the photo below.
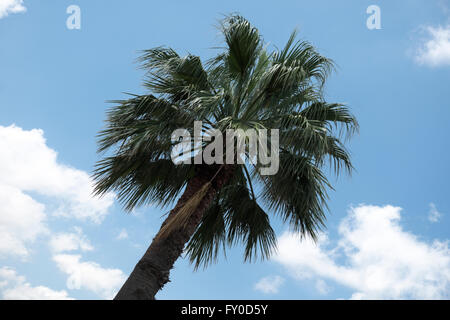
(243, 45)
(298, 193)
(233, 217)
(139, 180)
(245, 86)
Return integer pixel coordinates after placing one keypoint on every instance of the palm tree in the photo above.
(243, 87)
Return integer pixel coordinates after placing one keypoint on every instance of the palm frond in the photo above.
(298, 192)
(139, 180)
(234, 217)
(245, 86)
(243, 42)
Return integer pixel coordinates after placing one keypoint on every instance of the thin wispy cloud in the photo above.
(123, 234)
(322, 287)
(433, 214)
(269, 285)
(444, 5)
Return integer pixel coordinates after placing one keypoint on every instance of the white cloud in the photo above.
(22, 219)
(122, 235)
(435, 49)
(375, 257)
(15, 287)
(90, 275)
(11, 6)
(322, 287)
(63, 242)
(32, 184)
(29, 165)
(434, 215)
(270, 284)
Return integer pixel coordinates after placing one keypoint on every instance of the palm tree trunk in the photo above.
(152, 272)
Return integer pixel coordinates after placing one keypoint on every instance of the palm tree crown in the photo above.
(245, 86)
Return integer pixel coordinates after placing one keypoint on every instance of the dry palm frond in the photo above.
(181, 218)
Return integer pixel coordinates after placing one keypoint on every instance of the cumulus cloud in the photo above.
(374, 256)
(32, 184)
(29, 165)
(29, 168)
(15, 287)
(63, 242)
(270, 284)
(433, 214)
(11, 6)
(90, 275)
(22, 220)
(435, 48)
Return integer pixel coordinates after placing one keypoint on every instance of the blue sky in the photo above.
(388, 224)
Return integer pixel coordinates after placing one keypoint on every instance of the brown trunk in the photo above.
(152, 272)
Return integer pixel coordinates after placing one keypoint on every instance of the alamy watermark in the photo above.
(254, 146)
(373, 22)
(74, 19)
(73, 22)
